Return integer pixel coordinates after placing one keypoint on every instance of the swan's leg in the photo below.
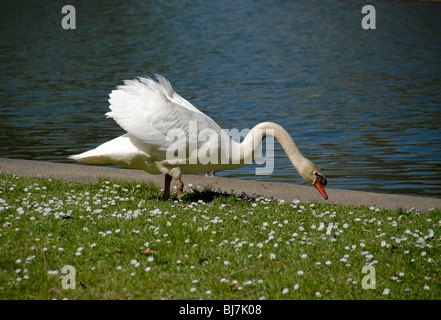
(180, 187)
(168, 179)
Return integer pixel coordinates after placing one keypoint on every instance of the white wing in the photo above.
(149, 110)
(174, 96)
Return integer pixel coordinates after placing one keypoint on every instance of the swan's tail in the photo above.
(93, 156)
(119, 151)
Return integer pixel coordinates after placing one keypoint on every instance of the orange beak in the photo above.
(319, 184)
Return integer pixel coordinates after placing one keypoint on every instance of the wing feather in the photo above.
(149, 110)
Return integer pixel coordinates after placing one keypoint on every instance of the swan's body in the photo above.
(167, 134)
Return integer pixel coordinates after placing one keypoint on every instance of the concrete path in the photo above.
(285, 191)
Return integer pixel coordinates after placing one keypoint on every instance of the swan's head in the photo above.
(319, 183)
(314, 176)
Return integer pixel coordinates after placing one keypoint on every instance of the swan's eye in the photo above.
(320, 178)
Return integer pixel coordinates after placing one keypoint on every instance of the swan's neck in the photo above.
(253, 141)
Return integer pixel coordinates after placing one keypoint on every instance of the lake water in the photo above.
(364, 105)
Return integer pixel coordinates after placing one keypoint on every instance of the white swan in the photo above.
(168, 135)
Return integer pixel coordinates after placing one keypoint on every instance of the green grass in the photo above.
(126, 243)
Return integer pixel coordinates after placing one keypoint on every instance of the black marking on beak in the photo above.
(321, 179)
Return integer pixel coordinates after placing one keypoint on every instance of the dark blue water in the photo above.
(364, 105)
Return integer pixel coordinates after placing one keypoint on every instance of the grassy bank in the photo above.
(124, 242)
